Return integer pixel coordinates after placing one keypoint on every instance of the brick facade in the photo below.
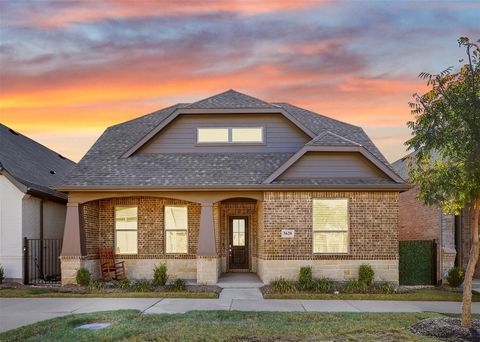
(417, 220)
(98, 222)
(373, 232)
(373, 235)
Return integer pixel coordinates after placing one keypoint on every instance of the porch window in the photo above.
(176, 229)
(330, 226)
(126, 218)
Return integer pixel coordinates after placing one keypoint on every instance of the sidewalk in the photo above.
(16, 312)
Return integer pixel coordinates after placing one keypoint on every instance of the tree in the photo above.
(446, 137)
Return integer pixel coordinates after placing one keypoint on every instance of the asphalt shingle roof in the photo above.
(328, 138)
(32, 164)
(103, 165)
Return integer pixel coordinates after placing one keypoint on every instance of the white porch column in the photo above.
(207, 259)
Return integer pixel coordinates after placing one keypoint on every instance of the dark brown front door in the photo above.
(238, 244)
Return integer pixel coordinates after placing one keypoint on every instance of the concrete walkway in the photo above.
(16, 312)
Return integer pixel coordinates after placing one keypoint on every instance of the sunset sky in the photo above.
(69, 69)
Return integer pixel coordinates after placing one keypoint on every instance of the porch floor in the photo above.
(239, 280)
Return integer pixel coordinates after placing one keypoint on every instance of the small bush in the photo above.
(305, 278)
(354, 286)
(456, 276)
(283, 286)
(385, 287)
(2, 274)
(142, 285)
(366, 275)
(177, 285)
(323, 285)
(160, 275)
(96, 285)
(83, 277)
(124, 284)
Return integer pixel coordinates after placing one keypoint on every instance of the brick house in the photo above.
(423, 222)
(232, 183)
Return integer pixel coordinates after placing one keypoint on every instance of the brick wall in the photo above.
(417, 220)
(98, 221)
(373, 225)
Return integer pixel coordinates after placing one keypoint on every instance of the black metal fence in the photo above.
(41, 258)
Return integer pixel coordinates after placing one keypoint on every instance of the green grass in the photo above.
(419, 295)
(40, 293)
(130, 325)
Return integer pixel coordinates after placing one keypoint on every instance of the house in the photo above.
(419, 221)
(29, 207)
(232, 183)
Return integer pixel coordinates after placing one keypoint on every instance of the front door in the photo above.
(238, 243)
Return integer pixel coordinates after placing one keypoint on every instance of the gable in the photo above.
(314, 165)
(180, 136)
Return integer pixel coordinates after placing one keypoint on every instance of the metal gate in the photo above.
(41, 261)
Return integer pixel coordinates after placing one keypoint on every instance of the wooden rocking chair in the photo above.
(110, 268)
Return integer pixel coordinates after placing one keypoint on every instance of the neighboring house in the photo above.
(419, 221)
(232, 183)
(29, 207)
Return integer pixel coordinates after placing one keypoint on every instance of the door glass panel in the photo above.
(238, 232)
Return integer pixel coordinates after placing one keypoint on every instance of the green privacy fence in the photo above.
(418, 262)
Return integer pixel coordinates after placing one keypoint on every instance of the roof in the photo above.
(30, 164)
(106, 164)
(403, 165)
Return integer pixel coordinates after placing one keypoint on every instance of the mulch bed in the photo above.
(447, 329)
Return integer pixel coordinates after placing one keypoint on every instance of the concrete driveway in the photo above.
(16, 312)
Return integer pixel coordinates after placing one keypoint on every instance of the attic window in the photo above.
(52, 172)
(231, 135)
(13, 132)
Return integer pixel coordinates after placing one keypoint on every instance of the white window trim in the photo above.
(230, 141)
(123, 229)
(332, 231)
(165, 229)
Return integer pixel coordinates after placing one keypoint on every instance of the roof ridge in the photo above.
(230, 91)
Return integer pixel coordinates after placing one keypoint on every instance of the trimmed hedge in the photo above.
(417, 262)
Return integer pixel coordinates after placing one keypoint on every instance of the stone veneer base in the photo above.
(338, 270)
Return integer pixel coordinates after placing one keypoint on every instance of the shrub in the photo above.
(354, 286)
(177, 285)
(283, 286)
(305, 278)
(366, 275)
(83, 276)
(2, 274)
(160, 276)
(142, 285)
(323, 285)
(124, 284)
(455, 276)
(96, 285)
(385, 287)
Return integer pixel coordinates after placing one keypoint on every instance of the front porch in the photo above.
(222, 237)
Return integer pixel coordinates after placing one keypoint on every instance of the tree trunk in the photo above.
(472, 262)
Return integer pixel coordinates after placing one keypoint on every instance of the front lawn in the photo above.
(45, 293)
(419, 295)
(129, 325)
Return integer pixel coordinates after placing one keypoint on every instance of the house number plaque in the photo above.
(288, 233)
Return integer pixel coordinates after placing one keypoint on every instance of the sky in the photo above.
(69, 69)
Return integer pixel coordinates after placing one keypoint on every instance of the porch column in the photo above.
(71, 256)
(207, 261)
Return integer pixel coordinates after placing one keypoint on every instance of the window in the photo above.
(330, 226)
(238, 232)
(244, 135)
(176, 231)
(126, 230)
(212, 135)
(232, 135)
